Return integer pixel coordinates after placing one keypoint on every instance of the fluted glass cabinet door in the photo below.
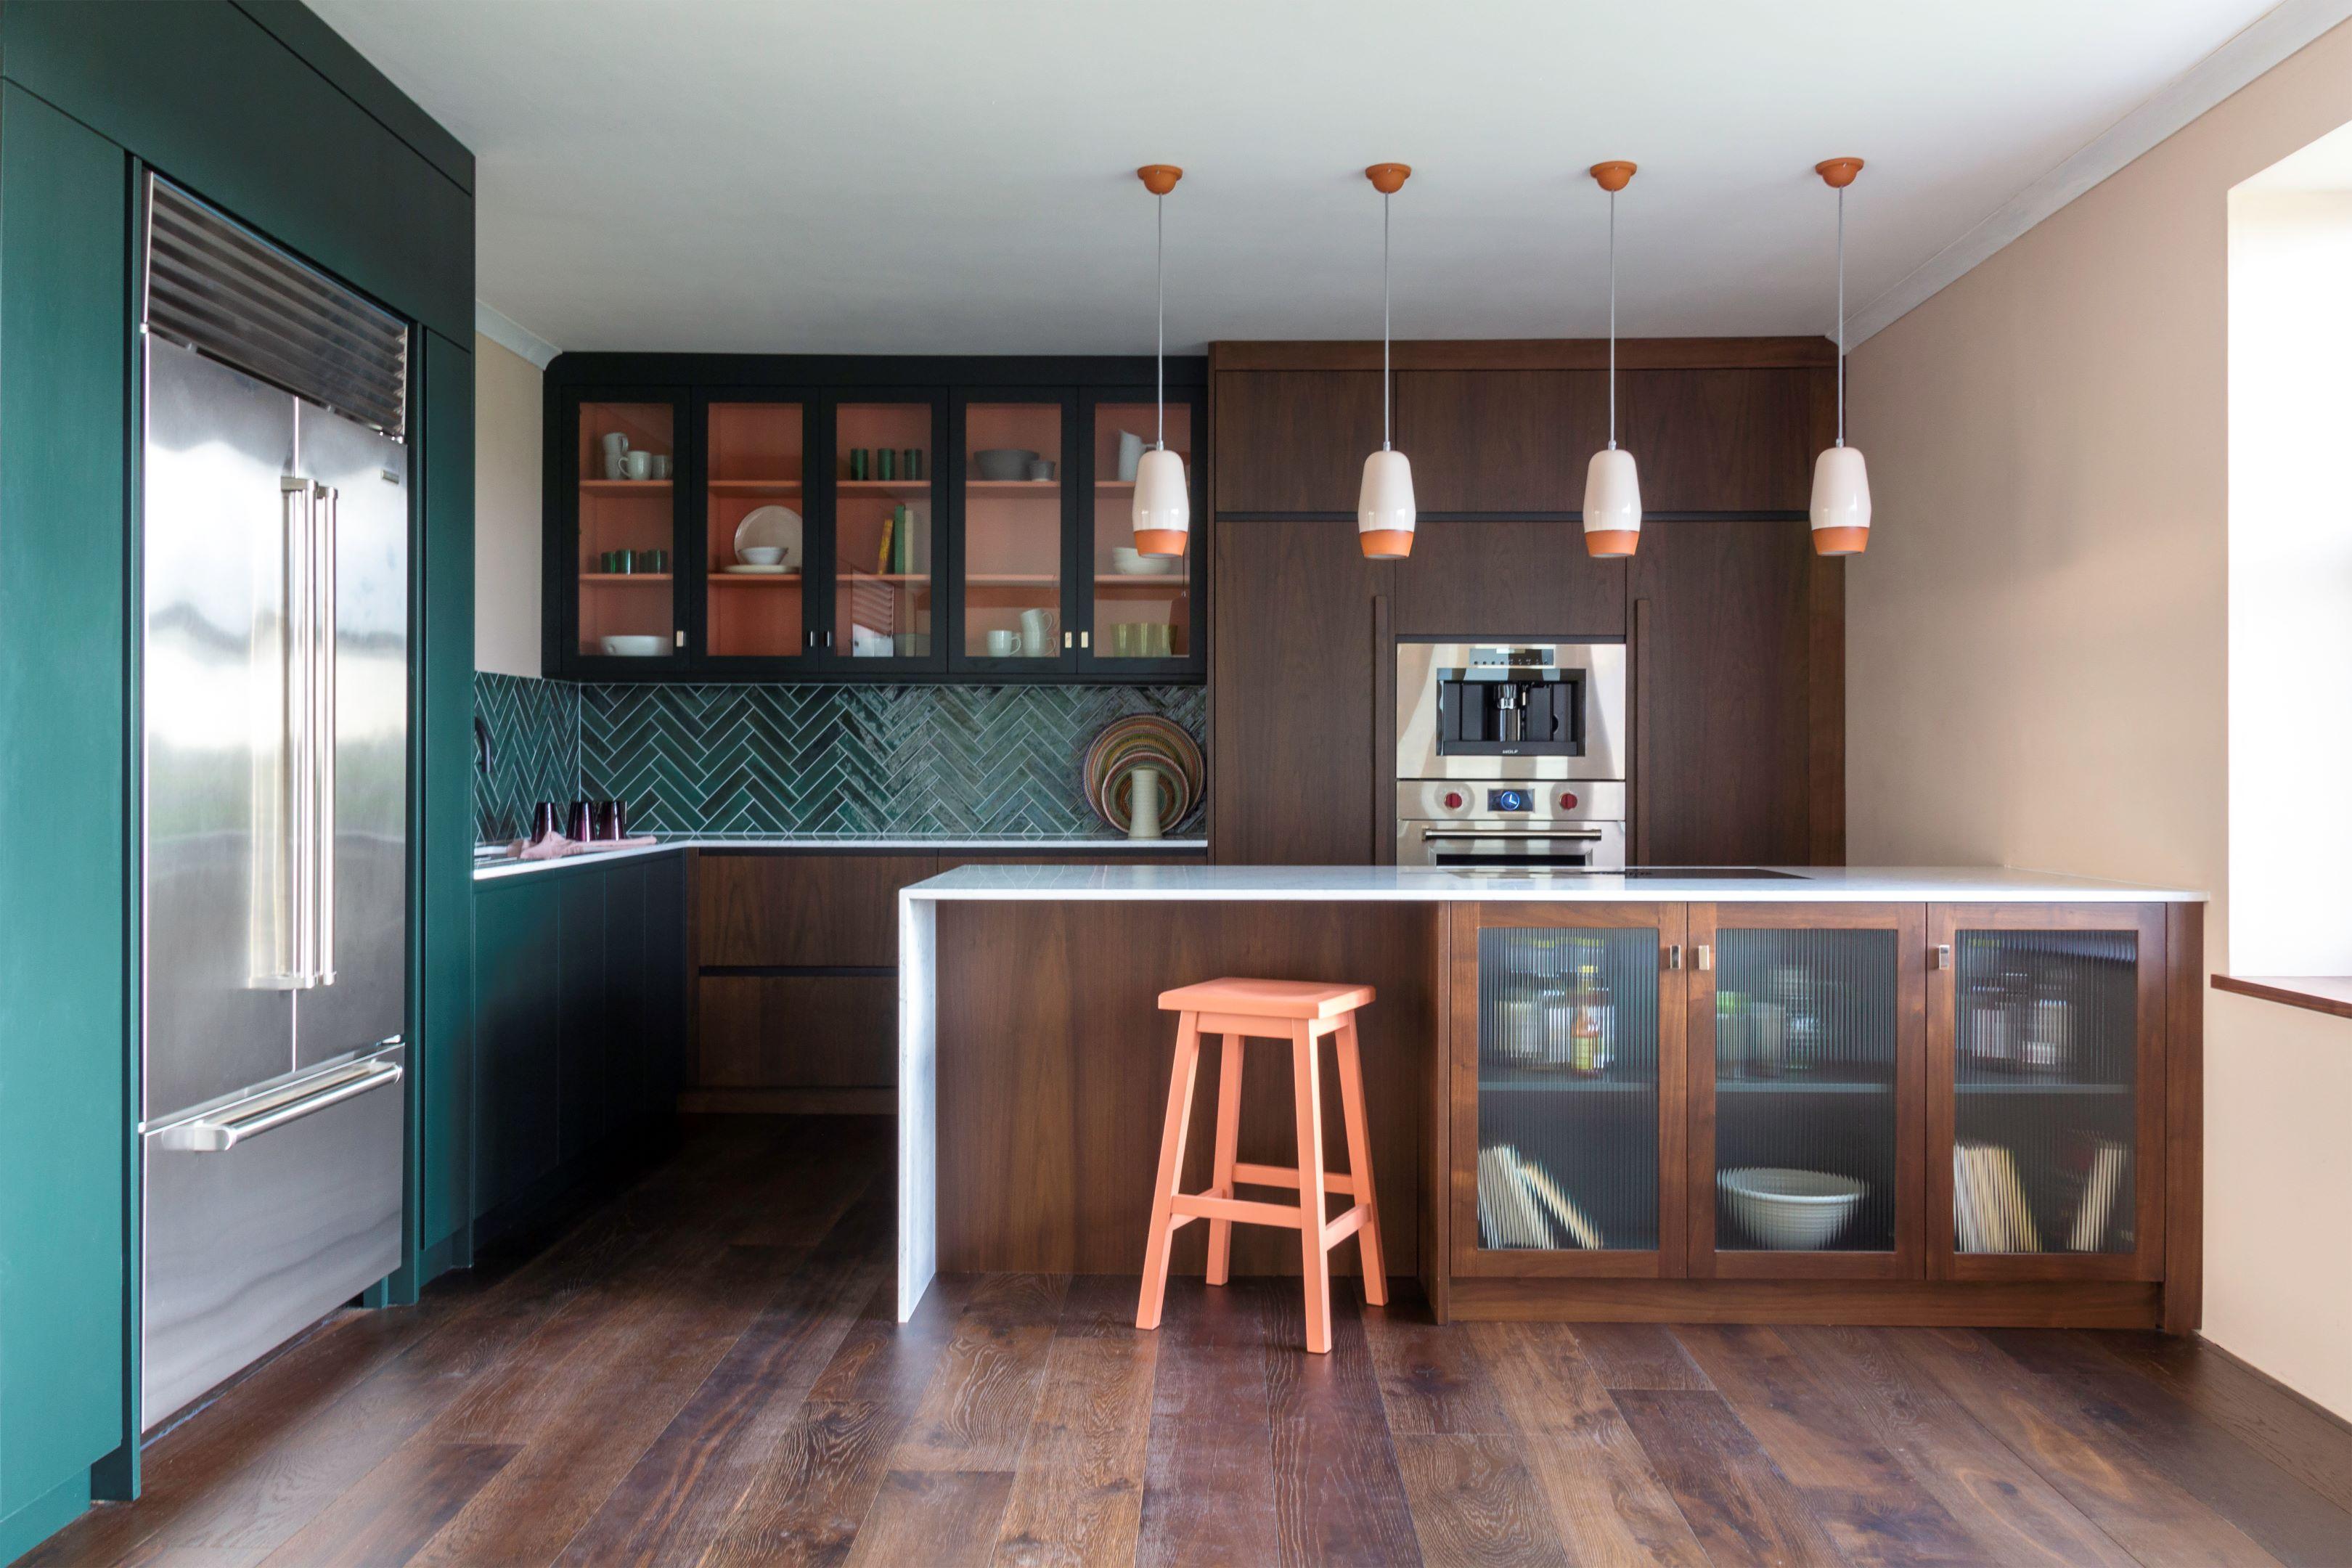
(1568, 1031)
(2049, 1091)
(1808, 1039)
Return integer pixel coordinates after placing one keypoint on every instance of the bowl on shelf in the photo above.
(762, 554)
(1791, 1211)
(1129, 562)
(635, 646)
(1003, 462)
(772, 530)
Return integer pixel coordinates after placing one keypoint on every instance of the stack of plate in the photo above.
(1144, 739)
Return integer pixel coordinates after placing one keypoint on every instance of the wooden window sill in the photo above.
(2320, 993)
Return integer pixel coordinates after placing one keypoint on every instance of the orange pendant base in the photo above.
(1841, 540)
(1161, 541)
(1612, 541)
(1386, 543)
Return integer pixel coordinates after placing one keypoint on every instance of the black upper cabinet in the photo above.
(960, 519)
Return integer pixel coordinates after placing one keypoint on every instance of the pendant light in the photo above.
(1164, 513)
(1841, 483)
(1384, 510)
(1613, 489)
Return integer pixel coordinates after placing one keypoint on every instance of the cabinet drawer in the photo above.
(798, 1031)
(807, 911)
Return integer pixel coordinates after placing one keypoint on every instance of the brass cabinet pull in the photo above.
(1706, 956)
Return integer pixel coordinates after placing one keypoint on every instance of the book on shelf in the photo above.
(2109, 1162)
(1521, 1206)
(1989, 1210)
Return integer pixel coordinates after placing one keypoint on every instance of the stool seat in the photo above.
(1266, 998)
(1302, 1012)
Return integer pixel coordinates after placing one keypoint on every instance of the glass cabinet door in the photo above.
(2048, 1089)
(1140, 607)
(885, 499)
(1807, 1056)
(757, 542)
(1568, 1135)
(625, 457)
(1011, 550)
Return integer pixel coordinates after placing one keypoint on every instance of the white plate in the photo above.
(759, 570)
(777, 527)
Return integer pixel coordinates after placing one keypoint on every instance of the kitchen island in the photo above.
(1860, 1095)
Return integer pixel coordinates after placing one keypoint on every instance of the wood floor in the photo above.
(704, 1370)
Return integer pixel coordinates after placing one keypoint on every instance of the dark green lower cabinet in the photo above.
(579, 1014)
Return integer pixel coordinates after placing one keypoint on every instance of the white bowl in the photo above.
(637, 647)
(762, 555)
(1791, 1211)
(1129, 562)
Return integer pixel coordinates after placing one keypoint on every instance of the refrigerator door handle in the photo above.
(323, 498)
(293, 927)
(216, 1137)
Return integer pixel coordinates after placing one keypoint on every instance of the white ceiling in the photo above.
(897, 176)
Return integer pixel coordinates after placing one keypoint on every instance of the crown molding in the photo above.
(509, 333)
(2270, 38)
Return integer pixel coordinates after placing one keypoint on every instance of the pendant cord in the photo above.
(1385, 432)
(1841, 430)
(1159, 288)
(1613, 321)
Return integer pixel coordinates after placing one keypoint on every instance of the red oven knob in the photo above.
(1453, 800)
(1567, 801)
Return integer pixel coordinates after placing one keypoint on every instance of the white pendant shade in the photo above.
(1163, 512)
(1613, 503)
(1841, 502)
(1384, 510)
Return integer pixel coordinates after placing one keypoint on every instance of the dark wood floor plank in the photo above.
(1430, 1378)
(680, 1492)
(1077, 1497)
(1475, 1503)
(820, 1472)
(2014, 1515)
(621, 1391)
(1866, 1497)
(1610, 1506)
(976, 1414)
(1740, 1506)
(2144, 1511)
(940, 1519)
(402, 1504)
(2292, 1523)
(1207, 1489)
(1339, 1496)
(1636, 1355)
(2307, 1442)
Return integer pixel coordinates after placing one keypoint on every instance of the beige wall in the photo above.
(2037, 643)
(505, 511)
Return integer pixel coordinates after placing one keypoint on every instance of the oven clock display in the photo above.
(1510, 800)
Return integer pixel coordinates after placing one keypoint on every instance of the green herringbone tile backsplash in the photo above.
(983, 760)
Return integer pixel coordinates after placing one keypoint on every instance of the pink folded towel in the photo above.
(554, 847)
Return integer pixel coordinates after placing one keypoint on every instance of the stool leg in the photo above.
(1229, 1127)
(1314, 1261)
(1171, 1170)
(1359, 1164)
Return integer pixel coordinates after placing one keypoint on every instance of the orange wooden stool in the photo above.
(1300, 1011)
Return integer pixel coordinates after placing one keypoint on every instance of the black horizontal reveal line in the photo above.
(800, 971)
(1747, 516)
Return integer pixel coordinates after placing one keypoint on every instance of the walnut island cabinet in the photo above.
(1827, 1095)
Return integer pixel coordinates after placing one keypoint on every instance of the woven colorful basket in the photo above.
(1107, 774)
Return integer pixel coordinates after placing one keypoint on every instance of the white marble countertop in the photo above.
(1110, 848)
(1393, 884)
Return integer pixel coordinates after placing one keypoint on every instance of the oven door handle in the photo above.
(1431, 835)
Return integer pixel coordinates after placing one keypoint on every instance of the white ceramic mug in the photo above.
(1131, 455)
(1003, 644)
(1036, 633)
(616, 453)
(637, 465)
(1143, 803)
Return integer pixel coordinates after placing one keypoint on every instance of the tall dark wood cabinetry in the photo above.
(1735, 627)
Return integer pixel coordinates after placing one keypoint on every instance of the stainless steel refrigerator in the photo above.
(275, 689)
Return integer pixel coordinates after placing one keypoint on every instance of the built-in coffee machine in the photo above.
(1511, 755)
